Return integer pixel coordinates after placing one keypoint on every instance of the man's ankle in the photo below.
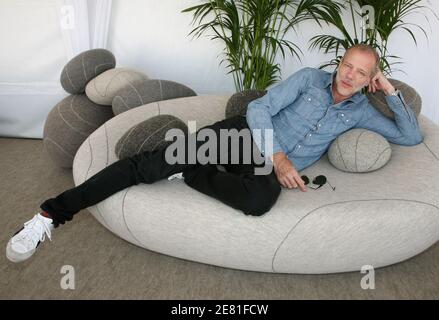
(45, 214)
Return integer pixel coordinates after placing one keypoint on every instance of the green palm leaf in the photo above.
(390, 15)
(253, 33)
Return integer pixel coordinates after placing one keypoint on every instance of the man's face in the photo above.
(354, 72)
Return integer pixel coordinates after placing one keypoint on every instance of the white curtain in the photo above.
(89, 27)
(38, 37)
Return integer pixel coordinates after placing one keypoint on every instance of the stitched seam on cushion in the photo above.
(124, 219)
(161, 90)
(140, 97)
(437, 158)
(158, 107)
(153, 148)
(178, 136)
(329, 204)
(77, 115)
(154, 133)
(106, 138)
(123, 101)
(83, 68)
(70, 80)
(356, 148)
(112, 79)
(86, 178)
(102, 64)
(378, 158)
(65, 121)
(62, 149)
(341, 155)
(108, 84)
(91, 161)
(102, 217)
(126, 137)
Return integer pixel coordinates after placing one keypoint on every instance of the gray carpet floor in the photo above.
(107, 267)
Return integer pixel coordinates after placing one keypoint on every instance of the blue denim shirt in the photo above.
(304, 120)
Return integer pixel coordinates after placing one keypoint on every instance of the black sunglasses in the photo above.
(319, 180)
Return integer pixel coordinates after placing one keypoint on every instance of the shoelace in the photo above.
(34, 230)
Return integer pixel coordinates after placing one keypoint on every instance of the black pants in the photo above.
(238, 187)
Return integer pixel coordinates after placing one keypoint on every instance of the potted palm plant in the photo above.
(389, 16)
(254, 33)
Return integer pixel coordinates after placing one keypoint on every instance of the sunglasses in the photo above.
(319, 180)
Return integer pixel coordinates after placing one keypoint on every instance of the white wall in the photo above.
(153, 37)
(37, 38)
(31, 57)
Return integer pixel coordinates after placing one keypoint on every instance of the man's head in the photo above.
(356, 69)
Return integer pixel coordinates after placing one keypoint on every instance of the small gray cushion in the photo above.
(359, 150)
(146, 91)
(68, 124)
(148, 135)
(411, 97)
(103, 88)
(84, 67)
(237, 104)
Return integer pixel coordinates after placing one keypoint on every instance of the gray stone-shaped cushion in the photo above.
(84, 67)
(359, 150)
(146, 91)
(148, 135)
(68, 124)
(411, 97)
(238, 103)
(103, 88)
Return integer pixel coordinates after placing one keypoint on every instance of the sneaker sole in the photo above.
(17, 257)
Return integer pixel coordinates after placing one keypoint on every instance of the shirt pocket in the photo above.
(343, 122)
(307, 103)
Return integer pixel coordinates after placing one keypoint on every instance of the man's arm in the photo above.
(259, 117)
(260, 111)
(405, 129)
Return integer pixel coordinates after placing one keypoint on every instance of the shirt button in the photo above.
(320, 125)
(342, 114)
(309, 99)
(347, 120)
(310, 135)
(298, 146)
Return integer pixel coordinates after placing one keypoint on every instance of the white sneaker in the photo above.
(24, 242)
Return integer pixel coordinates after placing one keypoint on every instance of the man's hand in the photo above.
(286, 173)
(380, 82)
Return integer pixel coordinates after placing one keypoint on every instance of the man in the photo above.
(304, 113)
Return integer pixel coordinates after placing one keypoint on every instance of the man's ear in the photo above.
(339, 64)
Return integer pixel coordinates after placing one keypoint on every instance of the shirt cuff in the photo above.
(396, 100)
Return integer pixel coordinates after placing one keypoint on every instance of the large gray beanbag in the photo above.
(411, 97)
(377, 218)
(148, 135)
(103, 88)
(146, 91)
(238, 103)
(84, 67)
(359, 150)
(68, 124)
